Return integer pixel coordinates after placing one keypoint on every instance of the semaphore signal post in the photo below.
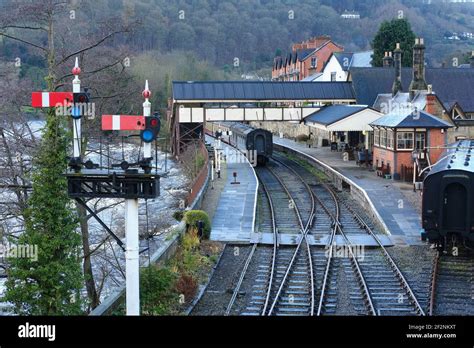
(129, 181)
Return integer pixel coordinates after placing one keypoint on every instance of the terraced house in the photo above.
(306, 58)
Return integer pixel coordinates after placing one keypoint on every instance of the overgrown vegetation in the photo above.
(168, 289)
(157, 290)
(305, 164)
(192, 160)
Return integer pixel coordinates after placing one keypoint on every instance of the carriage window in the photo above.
(405, 140)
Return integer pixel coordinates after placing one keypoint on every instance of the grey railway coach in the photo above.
(448, 198)
(256, 143)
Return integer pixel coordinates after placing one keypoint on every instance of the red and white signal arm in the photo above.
(51, 99)
(123, 122)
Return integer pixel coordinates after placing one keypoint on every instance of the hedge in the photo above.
(191, 217)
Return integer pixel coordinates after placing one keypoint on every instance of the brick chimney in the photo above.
(471, 60)
(433, 106)
(418, 81)
(397, 83)
(387, 60)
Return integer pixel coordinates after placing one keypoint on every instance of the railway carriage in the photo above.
(448, 198)
(251, 141)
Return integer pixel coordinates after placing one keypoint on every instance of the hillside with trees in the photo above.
(240, 36)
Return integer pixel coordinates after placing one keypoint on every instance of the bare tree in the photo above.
(52, 30)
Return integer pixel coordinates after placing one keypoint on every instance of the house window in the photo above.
(333, 76)
(420, 141)
(390, 139)
(383, 138)
(314, 62)
(405, 140)
(376, 137)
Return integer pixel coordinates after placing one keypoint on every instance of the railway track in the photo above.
(385, 291)
(452, 287)
(292, 291)
(284, 286)
(308, 280)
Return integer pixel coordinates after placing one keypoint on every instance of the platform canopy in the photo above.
(255, 100)
(261, 91)
(343, 118)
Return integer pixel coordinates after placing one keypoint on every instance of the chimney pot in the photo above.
(418, 80)
(397, 60)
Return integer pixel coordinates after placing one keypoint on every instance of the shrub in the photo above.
(192, 262)
(157, 290)
(187, 287)
(302, 137)
(200, 161)
(191, 217)
(190, 240)
(178, 215)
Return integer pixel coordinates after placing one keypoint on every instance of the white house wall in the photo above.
(357, 122)
(332, 66)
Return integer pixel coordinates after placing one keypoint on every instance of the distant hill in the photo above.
(245, 34)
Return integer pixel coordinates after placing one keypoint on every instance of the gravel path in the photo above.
(219, 291)
(416, 263)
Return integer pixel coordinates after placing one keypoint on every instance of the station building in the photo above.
(404, 144)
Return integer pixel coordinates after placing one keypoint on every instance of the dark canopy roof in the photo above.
(333, 113)
(261, 91)
(449, 84)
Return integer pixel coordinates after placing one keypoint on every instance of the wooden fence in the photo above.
(406, 173)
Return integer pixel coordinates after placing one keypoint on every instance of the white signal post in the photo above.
(132, 257)
(76, 123)
(146, 112)
(132, 265)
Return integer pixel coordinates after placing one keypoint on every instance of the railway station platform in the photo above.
(397, 214)
(234, 217)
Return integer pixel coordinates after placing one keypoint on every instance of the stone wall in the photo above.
(292, 130)
(465, 131)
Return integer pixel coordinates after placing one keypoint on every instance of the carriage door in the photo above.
(260, 143)
(454, 207)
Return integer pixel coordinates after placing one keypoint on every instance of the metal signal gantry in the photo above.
(127, 182)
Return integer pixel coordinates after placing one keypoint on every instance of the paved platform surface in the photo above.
(398, 213)
(234, 217)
